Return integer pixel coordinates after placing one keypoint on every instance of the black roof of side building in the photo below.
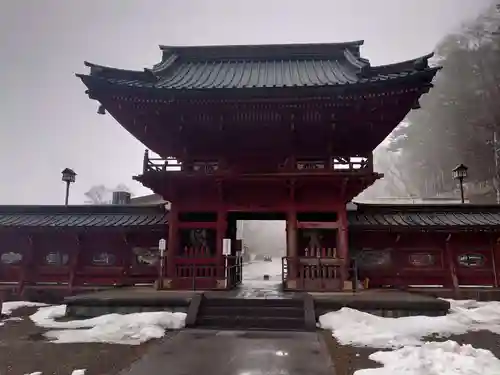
(432, 217)
(196, 69)
(83, 217)
(365, 217)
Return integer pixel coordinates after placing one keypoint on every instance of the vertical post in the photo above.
(27, 263)
(172, 242)
(495, 258)
(451, 263)
(74, 263)
(221, 233)
(292, 253)
(461, 180)
(342, 243)
(66, 199)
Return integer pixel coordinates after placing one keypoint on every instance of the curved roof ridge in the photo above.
(353, 43)
(260, 51)
(110, 72)
(411, 64)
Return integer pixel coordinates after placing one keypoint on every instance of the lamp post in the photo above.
(460, 173)
(68, 176)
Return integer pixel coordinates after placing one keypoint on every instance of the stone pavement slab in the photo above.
(211, 352)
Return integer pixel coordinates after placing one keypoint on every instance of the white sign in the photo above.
(162, 245)
(226, 246)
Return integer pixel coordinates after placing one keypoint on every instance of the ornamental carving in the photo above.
(471, 260)
(422, 259)
(104, 259)
(57, 259)
(374, 259)
(146, 256)
(11, 258)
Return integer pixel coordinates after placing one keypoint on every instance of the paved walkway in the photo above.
(194, 352)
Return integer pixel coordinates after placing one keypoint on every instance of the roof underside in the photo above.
(366, 217)
(185, 69)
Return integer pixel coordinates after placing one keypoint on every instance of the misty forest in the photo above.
(458, 122)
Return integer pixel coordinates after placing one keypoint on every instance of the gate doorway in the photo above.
(262, 239)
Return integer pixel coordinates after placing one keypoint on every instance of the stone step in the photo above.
(254, 302)
(244, 322)
(254, 311)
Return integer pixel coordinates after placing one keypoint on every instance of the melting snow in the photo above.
(414, 356)
(9, 307)
(128, 329)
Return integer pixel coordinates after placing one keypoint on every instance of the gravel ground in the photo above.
(23, 350)
(349, 359)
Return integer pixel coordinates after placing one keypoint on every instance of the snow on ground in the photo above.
(414, 356)
(435, 358)
(9, 307)
(74, 372)
(128, 329)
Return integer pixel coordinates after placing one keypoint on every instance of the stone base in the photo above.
(221, 284)
(167, 284)
(291, 284)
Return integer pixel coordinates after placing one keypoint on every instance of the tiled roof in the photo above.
(432, 217)
(83, 217)
(265, 66)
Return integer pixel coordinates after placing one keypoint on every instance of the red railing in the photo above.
(334, 164)
(205, 273)
(318, 273)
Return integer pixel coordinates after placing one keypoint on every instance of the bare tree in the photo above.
(100, 194)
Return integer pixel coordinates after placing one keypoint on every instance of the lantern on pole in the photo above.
(460, 173)
(68, 176)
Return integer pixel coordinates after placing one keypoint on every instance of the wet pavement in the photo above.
(193, 352)
(254, 285)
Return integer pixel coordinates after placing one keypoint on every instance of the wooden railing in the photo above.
(202, 272)
(319, 273)
(339, 164)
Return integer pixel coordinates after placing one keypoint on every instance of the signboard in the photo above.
(162, 245)
(226, 246)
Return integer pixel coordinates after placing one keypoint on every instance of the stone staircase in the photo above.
(245, 314)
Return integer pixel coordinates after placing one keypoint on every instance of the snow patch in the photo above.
(9, 307)
(357, 328)
(413, 356)
(435, 358)
(127, 329)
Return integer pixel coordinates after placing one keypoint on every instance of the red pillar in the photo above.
(450, 259)
(221, 233)
(343, 245)
(172, 242)
(292, 253)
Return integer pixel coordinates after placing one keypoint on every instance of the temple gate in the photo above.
(286, 129)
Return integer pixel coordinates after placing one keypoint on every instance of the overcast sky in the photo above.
(47, 123)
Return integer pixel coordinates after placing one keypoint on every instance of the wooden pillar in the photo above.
(495, 258)
(127, 260)
(343, 245)
(221, 233)
(292, 250)
(450, 258)
(26, 275)
(172, 242)
(75, 259)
